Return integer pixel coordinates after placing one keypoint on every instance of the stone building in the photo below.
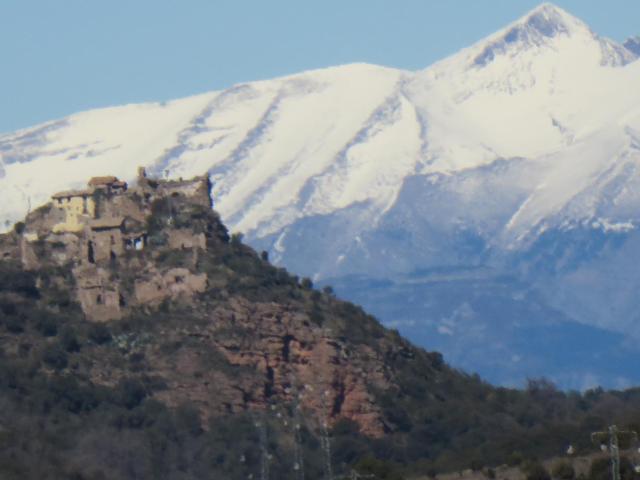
(97, 228)
(184, 238)
(198, 189)
(77, 207)
(104, 240)
(99, 297)
(109, 185)
(170, 284)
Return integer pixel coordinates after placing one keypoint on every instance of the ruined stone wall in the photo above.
(28, 255)
(100, 304)
(92, 231)
(185, 238)
(9, 247)
(63, 248)
(107, 245)
(99, 297)
(170, 284)
(126, 205)
(197, 190)
(41, 221)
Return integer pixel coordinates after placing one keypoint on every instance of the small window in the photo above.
(99, 300)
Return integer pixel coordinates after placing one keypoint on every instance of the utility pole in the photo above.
(260, 422)
(613, 437)
(325, 440)
(298, 465)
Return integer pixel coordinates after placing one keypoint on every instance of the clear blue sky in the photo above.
(64, 56)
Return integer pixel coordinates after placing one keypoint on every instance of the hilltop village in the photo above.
(157, 250)
(94, 228)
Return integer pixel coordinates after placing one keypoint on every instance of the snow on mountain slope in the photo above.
(321, 141)
(633, 45)
(263, 143)
(36, 162)
(518, 156)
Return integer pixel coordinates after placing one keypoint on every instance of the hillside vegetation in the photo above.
(260, 373)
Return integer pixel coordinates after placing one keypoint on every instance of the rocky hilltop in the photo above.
(496, 188)
(128, 251)
(140, 340)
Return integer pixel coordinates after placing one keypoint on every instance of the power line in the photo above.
(612, 436)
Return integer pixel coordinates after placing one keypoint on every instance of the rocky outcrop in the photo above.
(155, 286)
(158, 247)
(297, 358)
(287, 360)
(185, 238)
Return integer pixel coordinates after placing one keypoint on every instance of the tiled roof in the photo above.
(108, 180)
(71, 193)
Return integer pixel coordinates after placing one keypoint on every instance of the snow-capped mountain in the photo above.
(517, 157)
(633, 45)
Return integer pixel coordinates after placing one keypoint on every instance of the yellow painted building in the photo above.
(78, 207)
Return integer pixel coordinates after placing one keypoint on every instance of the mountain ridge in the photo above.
(361, 169)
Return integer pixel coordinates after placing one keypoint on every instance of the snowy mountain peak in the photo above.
(312, 144)
(550, 20)
(545, 26)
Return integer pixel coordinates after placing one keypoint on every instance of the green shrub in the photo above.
(536, 471)
(600, 469)
(99, 333)
(47, 326)
(381, 469)
(55, 357)
(14, 324)
(69, 340)
(236, 239)
(563, 471)
(130, 393)
(514, 459)
(328, 290)
(19, 228)
(188, 419)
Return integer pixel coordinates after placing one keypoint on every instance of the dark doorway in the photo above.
(91, 253)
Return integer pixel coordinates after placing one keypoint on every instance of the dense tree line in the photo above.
(55, 422)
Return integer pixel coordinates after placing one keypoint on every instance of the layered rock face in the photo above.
(286, 361)
(211, 329)
(225, 330)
